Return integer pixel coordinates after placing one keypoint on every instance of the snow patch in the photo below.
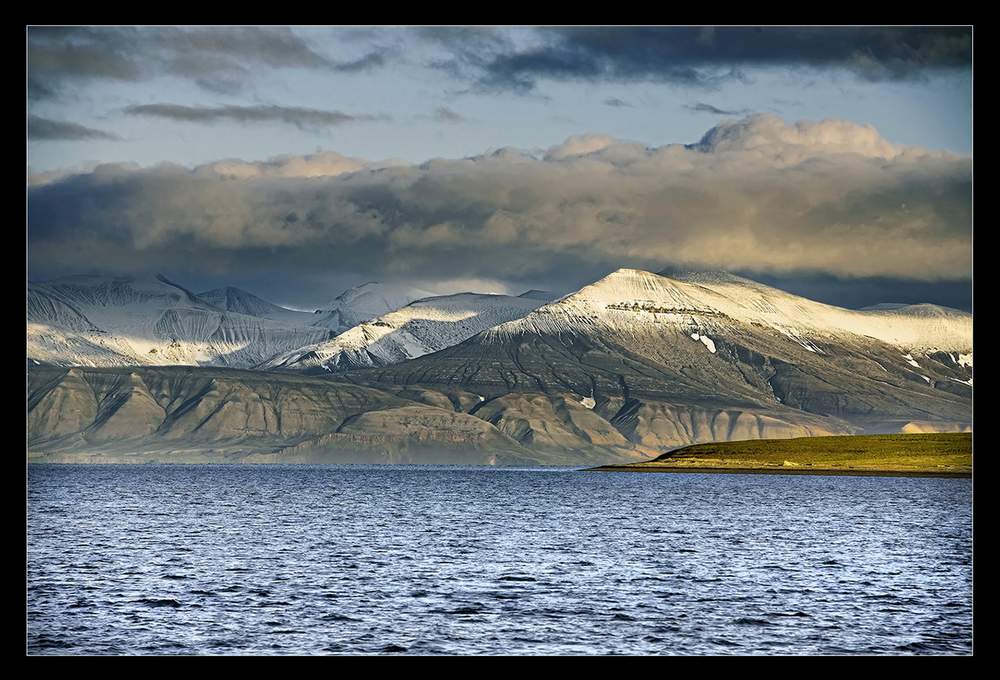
(705, 340)
(910, 361)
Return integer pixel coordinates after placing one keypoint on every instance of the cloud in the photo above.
(369, 62)
(443, 114)
(772, 135)
(322, 164)
(219, 59)
(699, 57)
(39, 178)
(300, 117)
(579, 145)
(702, 107)
(616, 102)
(758, 194)
(46, 129)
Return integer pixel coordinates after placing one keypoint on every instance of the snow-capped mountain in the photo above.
(636, 345)
(365, 302)
(535, 294)
(419, 328)
(629, 299)
(625, 368)
(231, 299)
(105, 321)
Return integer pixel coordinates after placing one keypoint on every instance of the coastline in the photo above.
(947, 455)
(828, 472)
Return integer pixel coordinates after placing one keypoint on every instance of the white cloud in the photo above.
(322, 164)
(770, 134)
(579, 145)
(757, 194)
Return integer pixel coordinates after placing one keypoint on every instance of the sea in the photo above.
(452, 560)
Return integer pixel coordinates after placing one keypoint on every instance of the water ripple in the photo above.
(161, 559)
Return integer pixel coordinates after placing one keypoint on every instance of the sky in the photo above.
(298, 161)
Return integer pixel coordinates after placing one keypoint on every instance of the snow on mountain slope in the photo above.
(628, 299)
(102, 321)
(716, 342)
(365, 302)
(633, 364)
(232, 299)
(43, 306)
(419, 328)
(921, 327)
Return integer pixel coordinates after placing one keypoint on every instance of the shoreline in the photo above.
(828, 472)
(945, 455)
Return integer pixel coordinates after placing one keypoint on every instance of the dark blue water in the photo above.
(354, 559)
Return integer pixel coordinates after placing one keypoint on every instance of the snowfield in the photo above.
(101, 321)
(365, 302)
(417, 329)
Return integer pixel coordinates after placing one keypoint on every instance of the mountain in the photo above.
(672, 361)
(127, 321)
(535, 294)
(183, 414)
(419, 328)
(365, 302)
(623, 369)
(232, 299)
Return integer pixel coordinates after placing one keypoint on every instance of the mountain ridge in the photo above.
(366, 301)
(418, 328)
(637, 335)
(95, 320)
(625, 368)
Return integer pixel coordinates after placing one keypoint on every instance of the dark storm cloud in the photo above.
(703, 57)
(470, 51)
(300, 117)
(856, 293)
(757, 194)
(220, 59)
(701, 107)
(46, 129)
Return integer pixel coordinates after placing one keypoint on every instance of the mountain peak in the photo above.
(630, 272)
(627, 280)
(115, 289)
(628, 300)
(367, 301)
(627, 276)
(535, 294)
(233, 299)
